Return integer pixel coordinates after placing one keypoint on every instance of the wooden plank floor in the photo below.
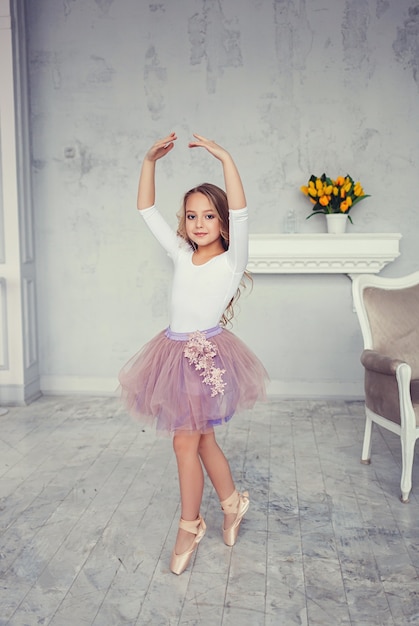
(89, 510)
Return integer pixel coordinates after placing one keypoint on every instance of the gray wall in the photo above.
(290, 87)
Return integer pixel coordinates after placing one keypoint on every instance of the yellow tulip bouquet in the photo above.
(333, 196)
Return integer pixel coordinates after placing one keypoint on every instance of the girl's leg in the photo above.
(218, 470)
(191, 483)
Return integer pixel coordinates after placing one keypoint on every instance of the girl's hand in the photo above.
(234, 188)
(161, 147)
(212, 147)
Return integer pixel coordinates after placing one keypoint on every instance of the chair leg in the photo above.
(408, 453)
(366, 448)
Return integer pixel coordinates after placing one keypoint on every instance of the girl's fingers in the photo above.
(209, 144)
(167, 140)
(200, 137)
(162, 146)
(203, 142)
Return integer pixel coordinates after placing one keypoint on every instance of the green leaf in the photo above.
(359, 198)
(316, 212)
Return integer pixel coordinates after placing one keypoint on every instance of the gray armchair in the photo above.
(388, 313)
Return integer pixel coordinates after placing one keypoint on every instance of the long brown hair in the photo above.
(218, 200)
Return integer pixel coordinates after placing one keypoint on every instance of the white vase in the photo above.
(336, 223)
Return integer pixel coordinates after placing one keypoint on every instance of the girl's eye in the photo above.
(190, 216)
(210, 217)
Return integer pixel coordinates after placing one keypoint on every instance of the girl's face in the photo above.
(202, 221)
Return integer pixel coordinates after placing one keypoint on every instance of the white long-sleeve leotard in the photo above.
(201, 293)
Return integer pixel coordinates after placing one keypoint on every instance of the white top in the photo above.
(201, 293)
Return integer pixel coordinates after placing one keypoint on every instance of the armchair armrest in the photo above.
(381, 384)
(379, 363)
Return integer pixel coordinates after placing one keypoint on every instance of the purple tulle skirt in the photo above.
(192, 382)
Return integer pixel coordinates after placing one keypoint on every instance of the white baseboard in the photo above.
(316, 389)
(79, 385)
(19, 395)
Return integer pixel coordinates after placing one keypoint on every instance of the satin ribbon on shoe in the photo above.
(237, 503)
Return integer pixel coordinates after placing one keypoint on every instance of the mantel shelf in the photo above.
(359, 253)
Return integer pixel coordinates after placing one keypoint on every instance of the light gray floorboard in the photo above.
(89, 507)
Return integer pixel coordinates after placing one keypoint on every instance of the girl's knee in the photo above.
(185, 443)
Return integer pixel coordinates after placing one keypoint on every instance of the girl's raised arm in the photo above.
(146, 186)
(234, 187)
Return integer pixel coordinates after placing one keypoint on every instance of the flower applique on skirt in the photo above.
(200, 352)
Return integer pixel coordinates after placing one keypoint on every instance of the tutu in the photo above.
(192, 382)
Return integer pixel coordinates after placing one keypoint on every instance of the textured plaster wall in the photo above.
(291, 87)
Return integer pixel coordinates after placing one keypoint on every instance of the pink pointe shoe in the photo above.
(179, 562)
(237, 503)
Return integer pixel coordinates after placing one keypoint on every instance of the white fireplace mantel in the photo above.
(323, 253)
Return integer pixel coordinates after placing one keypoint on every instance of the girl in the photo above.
(195, 374)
